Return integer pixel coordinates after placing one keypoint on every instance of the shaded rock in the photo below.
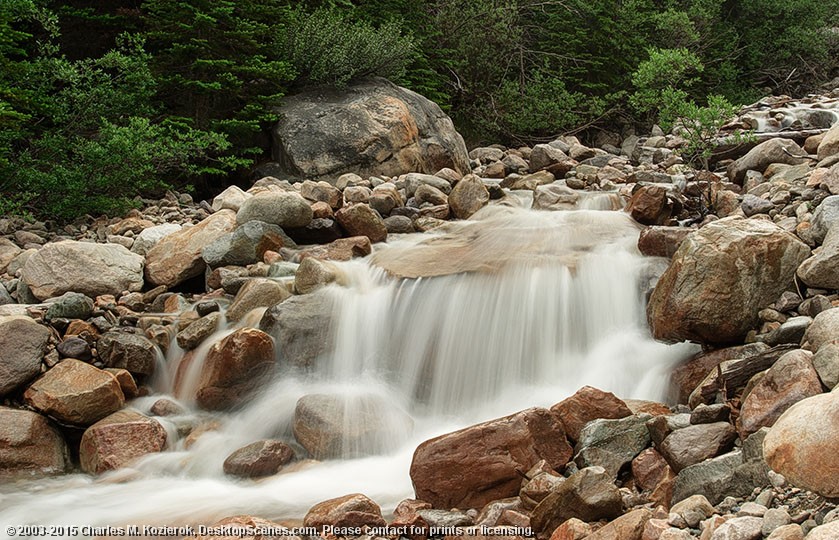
(301, 326)
(826, 364)
(147, 238)
(528, 182)
(791, 331)
(361, 220)
(399, 225)
(544, 155)
(118, 440)
(234, 367)
(260, 458)
(70, 306)
(342, 249)
(828, 531)
(353, 510)
(829, 144)
(246, 245)
(662, 241)
(74, 347)
(823, 330)
(82, 267)
(8, 251)
(30, 446)
(318, 231)
(694, 444)
(371, 128)
(688, 375)
(426, 194)
(766, 153)
(807, 457)
(585, 405)
(312, 274)
(478, 464)
(753, 205)
(629, 526)
(194, 334)
(588, 495)
(468, 196)
(256, 293)
(825, 216)
(133, 352)
(339, 427)
(23, 343)
(720, 477)
(611, 444)
(709, 414)
(413, 181)
(75, 393)
(720, 277)
(649, 205)
(822, 269)
(790, 380)
(321, 191)
(177, 256)
(650, 469)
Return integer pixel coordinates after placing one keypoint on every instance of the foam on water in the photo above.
(564, 308)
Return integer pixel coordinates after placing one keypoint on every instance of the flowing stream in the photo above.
(556, 302)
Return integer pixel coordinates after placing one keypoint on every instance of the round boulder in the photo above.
(720, 278)
(803, 444)
(286, 209)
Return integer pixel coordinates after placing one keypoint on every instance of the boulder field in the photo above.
(746, 449)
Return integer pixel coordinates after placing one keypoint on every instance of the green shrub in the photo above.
(327, 47)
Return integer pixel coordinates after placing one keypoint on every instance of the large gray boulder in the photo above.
(83, 267)
(301, 327)
(23, 343)
(373, 127)
(766, 153)
(822, 269)
(720, 277)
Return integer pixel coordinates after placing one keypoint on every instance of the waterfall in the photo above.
(520, 308)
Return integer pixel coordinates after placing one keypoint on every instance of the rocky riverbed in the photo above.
(129, 344)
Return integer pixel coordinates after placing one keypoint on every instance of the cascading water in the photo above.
(524, 308)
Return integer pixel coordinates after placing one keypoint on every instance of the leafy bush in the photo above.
(63, 176)
(327, 47)
(664, 78)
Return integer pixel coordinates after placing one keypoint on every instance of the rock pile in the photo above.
(89, 309)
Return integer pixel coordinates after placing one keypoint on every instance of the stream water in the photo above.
(558, 303)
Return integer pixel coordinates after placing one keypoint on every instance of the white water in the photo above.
(565, 309)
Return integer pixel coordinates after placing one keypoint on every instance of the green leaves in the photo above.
(327, 47)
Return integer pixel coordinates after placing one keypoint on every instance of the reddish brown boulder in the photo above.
(29, 445)
(117, 440)
(354, 511)
(361, 220)
(790, 380)
(126, 382)
(468, 196)
(649, 205)
(261, 458)
(586, 405)
(234, 367)
(482, 463)
(650, 469)
(662, 241)
(76, 393)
